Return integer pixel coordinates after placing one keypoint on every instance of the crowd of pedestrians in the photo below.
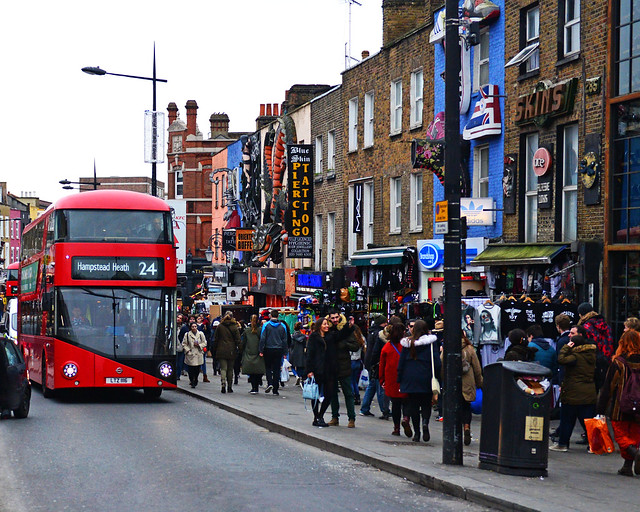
(402, 362)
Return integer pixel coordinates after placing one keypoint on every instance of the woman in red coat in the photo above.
(389, 358)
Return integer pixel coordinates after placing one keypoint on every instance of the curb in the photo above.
(431, 482)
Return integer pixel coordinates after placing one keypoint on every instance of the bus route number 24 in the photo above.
(147, 270)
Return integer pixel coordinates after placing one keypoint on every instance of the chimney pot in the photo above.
(268, 109)
(365, 54)
(276, 109)
(262, 110)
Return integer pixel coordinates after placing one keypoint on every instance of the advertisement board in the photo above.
(179, 207)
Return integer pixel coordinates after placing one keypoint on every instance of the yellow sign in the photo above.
(442, 211)
(244, 239)
(533, 428)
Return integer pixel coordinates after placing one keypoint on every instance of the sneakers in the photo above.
(254, 392)
(269, 388)
(368, 413)
(439, 418)
(406, 426)
(467, 437)
(223, 390)
(385, 416)
(416, 438)
(558, 448)
(334, 422)
(426, 436)
(352, 424)
(230, 389)
(320, 423)
(275, 392)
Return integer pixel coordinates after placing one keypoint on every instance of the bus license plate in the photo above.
(119, 380)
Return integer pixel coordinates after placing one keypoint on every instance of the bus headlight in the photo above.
(165, 369)
(70, 370)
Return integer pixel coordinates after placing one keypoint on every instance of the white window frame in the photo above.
(571, 29)
(368, 119)
(417, 99)
(319, 161)
(368, 213)
(480, 171)
(395, 104)
(179, 179)
(395, 205)
(416, 201)
(317, 238)
(331, 151)
(532, 32)
(331, 241)
(481, 63)
(531, 191)
(570, 182)
(353, 124)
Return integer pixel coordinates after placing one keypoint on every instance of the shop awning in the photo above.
(518, 254)
(378, 256)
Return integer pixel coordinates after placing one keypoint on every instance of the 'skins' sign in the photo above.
(546, 101)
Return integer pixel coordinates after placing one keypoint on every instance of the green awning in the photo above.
(379, 256)
(518, 254)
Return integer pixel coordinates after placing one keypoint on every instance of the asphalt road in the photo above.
(116, 452)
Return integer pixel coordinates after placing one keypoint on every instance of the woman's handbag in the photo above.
(598, 434)
(435, 385)
(310, 389)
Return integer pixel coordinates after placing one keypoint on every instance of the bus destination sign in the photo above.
(120, 268)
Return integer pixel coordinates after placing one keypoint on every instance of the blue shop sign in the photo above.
(309, 280)
(431, 256)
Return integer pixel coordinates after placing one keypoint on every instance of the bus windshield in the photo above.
(117, 322)
(13, 274)
(136, 226)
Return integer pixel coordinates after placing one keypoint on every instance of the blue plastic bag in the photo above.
(476, 405)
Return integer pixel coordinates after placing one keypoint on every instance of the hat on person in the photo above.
(584, 308)
(216, 323)
(439, 326)
(379, 320)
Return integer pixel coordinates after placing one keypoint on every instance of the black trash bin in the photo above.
(516, 403)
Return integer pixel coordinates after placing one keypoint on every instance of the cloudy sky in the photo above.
(229, 56)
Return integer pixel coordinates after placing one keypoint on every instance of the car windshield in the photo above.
(117, 322)
(132, 226)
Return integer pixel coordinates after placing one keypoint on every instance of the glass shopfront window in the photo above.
(625, 203)
(625, 288)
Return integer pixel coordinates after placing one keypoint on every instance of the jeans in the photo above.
(272, 360)
(345, 384)
(374, 388)
(356, 368)
(568, 416)
(179, 363)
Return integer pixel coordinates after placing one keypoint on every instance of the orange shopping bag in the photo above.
(598, 434)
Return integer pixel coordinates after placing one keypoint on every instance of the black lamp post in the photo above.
(209, 253)
(100, 72)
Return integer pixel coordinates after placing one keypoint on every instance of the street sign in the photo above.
(442, 211)
(441, 228)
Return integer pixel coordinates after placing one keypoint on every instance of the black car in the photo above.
(15, 388)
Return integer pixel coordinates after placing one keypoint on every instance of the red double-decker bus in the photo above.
(98, 293)
(11, 286)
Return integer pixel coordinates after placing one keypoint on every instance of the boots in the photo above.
(224, 389)
(396, 430)
(205, 379)
(426, 436)
(626, 470)
(406, 425)
(467, 434)
(635, 453)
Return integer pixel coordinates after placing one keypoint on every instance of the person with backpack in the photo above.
(619, 399)
(599, 332)
(273, 345)
(545, 351)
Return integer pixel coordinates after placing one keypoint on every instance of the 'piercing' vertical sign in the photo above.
(300, 212)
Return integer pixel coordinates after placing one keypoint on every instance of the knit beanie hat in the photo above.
(584, 308)
(379, 320)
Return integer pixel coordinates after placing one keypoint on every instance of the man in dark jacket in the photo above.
(599, 332)
(227, 343)
(372, 363)
(345, 343)
(273, 345)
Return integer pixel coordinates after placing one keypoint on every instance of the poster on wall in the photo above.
(357, 208)
(509, 183)
(300, 213)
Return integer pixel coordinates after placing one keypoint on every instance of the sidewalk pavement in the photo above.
(577, 480)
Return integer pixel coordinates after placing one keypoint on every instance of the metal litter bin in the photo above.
(514, 437)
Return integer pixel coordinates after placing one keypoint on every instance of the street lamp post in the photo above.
(100, 72)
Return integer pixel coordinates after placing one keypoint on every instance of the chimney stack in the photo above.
(173, 112)
(268, 114)
(219, 123)
(192, 114)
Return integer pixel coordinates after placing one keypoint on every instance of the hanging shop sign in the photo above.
(228, 240)
(357, 208)
(270, 281)
(300, 212)
(541, 161)
(431, 253)
(479, 211)
(509, 178)
(485, 120)
(590, 168)
(546, 101)
(310, 282)
(244, 239)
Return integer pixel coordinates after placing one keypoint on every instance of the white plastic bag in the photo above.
(284, 371)
(363, 382)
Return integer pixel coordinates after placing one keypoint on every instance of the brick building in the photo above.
(554, 118)
(140, 184)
